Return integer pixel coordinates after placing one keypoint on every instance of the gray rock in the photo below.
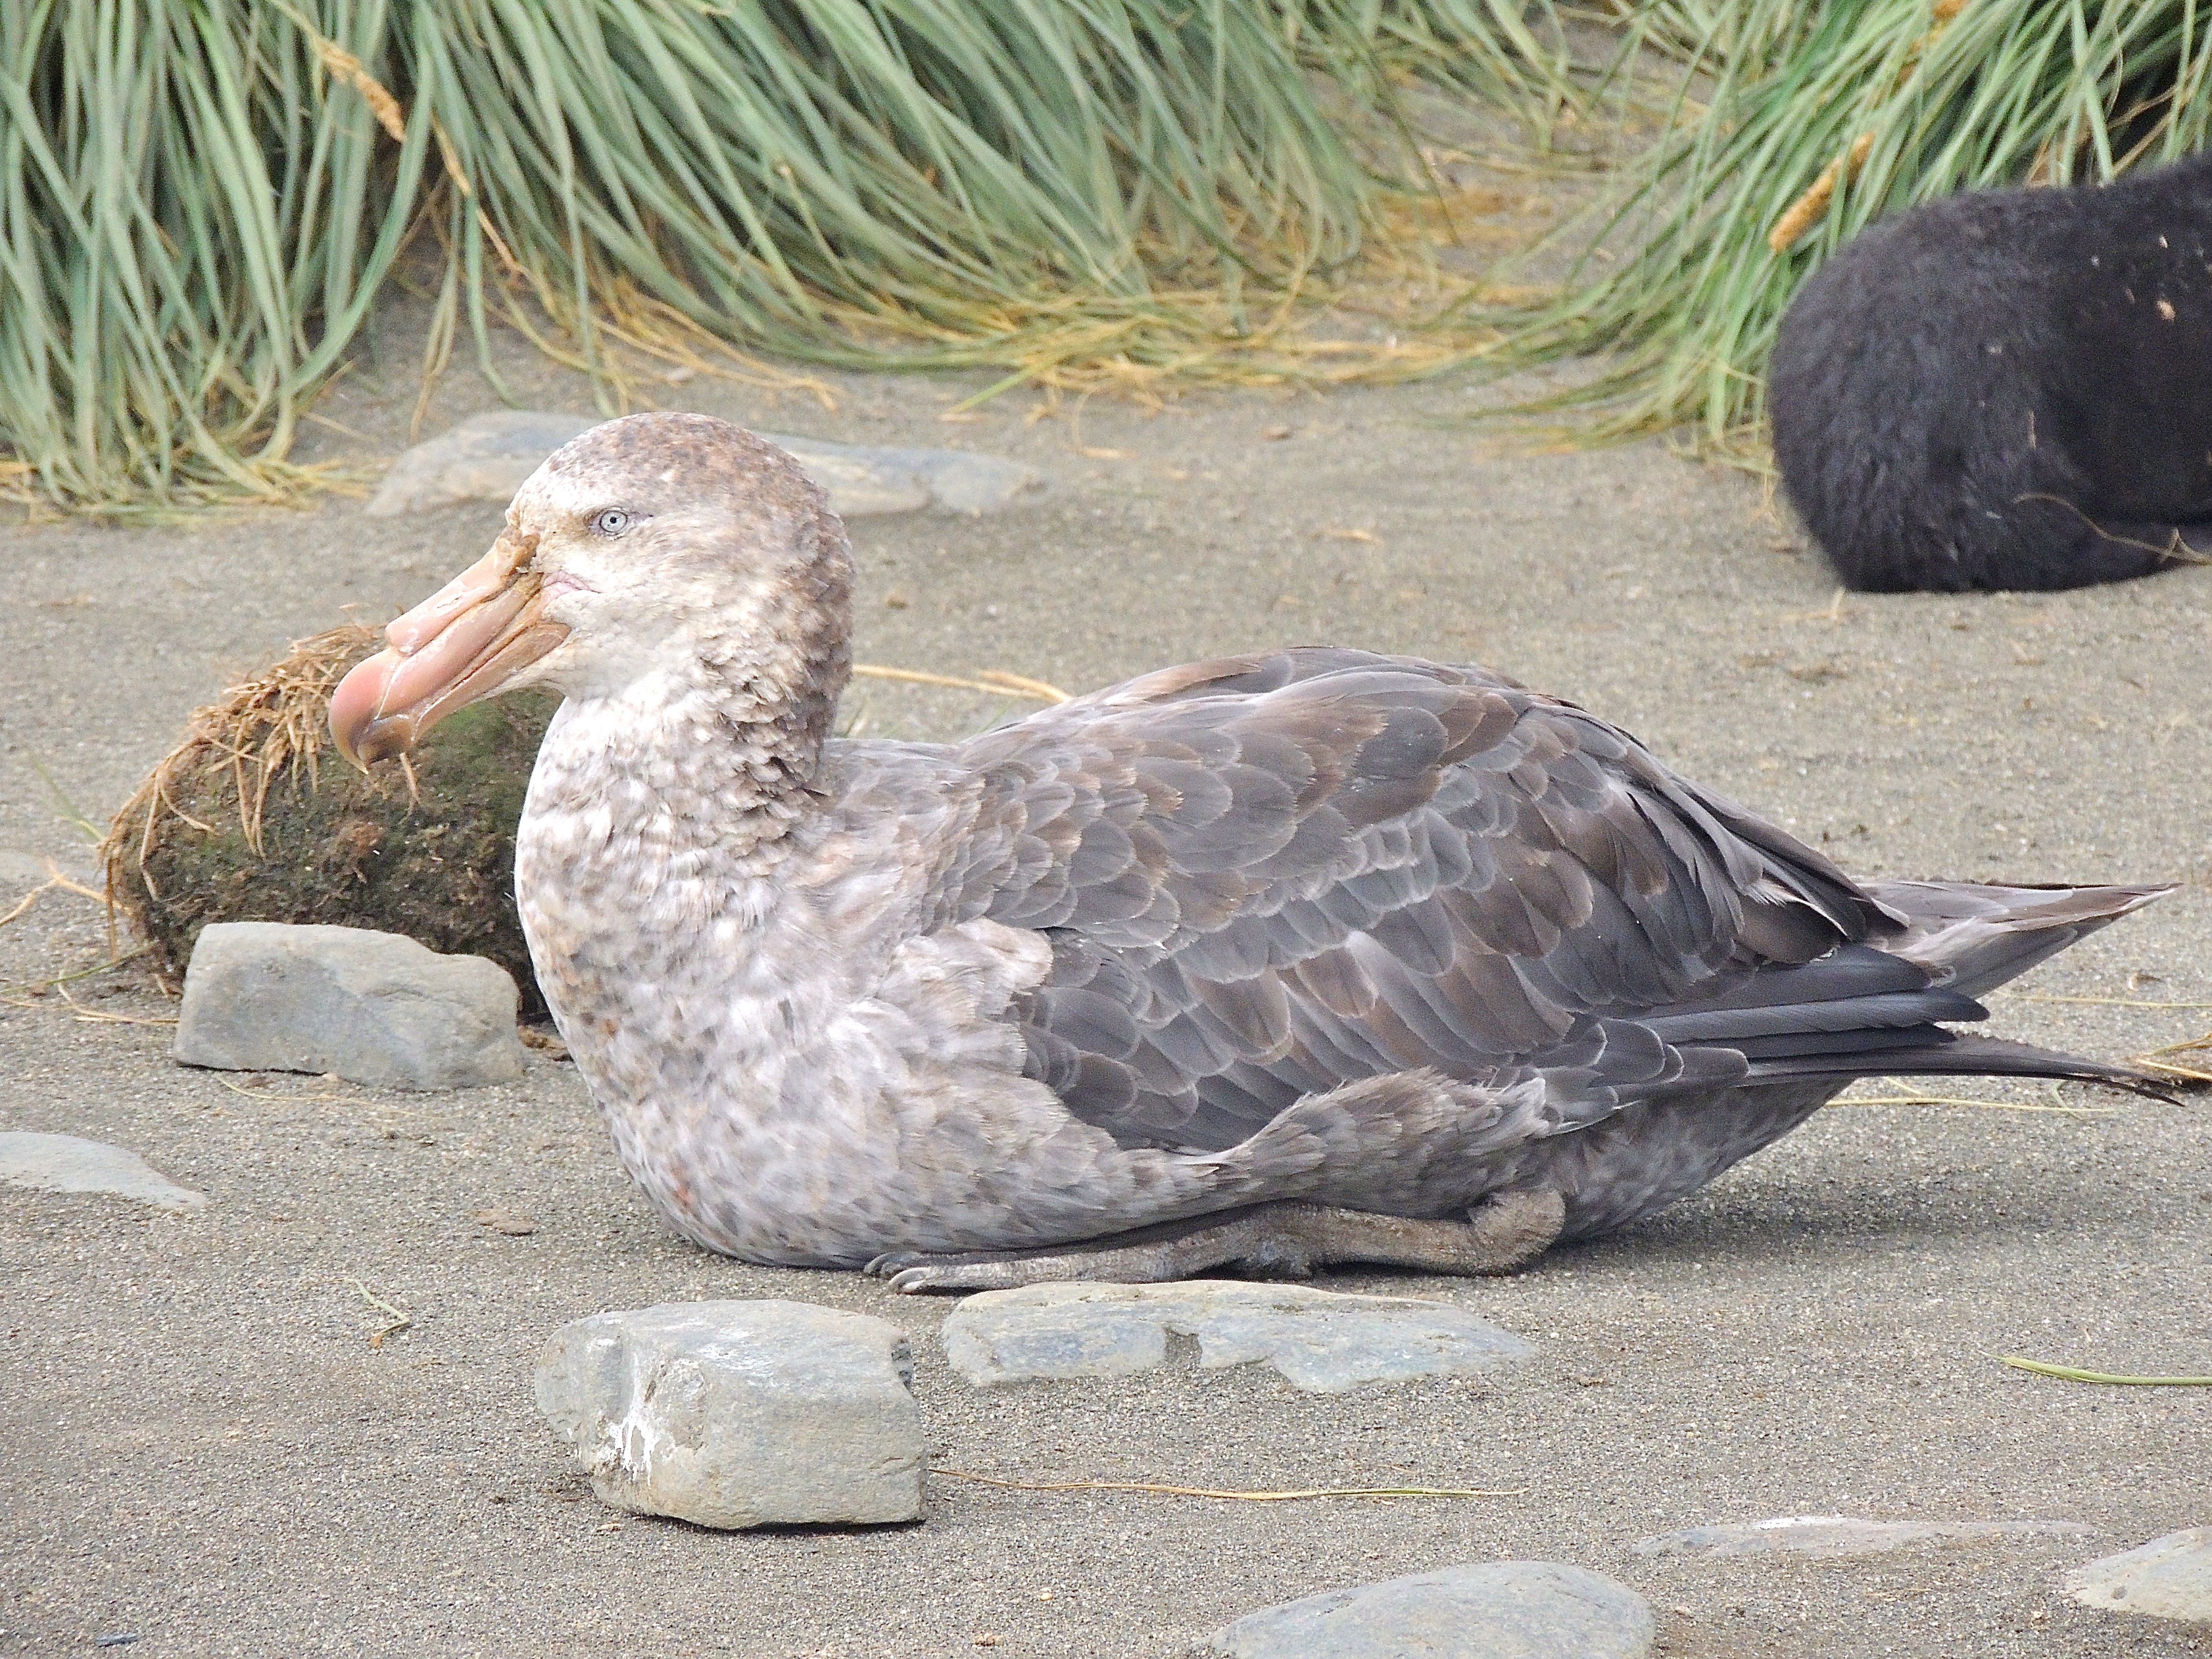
(1322, 1341)
(860, 481)
(1496, 1610)
(2169, 1577)
(373, 1007)
(487, 457)
(964, 481)
(68, 1163)
(740, 1414)
(954, 480)
(484, 458)
(1839, 1535)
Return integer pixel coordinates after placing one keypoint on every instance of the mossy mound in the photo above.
(255, 818)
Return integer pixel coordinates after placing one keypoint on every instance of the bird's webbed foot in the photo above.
(1269, 1240)
(1148, 1255)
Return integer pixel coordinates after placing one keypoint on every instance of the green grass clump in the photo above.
(200, 199)
(1893, 102)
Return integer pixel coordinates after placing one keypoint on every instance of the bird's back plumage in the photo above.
(1265, 879)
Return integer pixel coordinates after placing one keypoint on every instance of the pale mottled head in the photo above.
(678, 546)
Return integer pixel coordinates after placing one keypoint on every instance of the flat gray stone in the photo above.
(68, 1163)
(1322, 1341)
(487, 457)
(1839, 1535)
(861, 481)
(267, 996)
(2169, 1577)
(952, 480)
(1496, 1610)
(740, 1414)
(484, 458)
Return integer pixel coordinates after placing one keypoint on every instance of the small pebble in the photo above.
(545, 1040)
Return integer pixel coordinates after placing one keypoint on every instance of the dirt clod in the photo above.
(252, 818)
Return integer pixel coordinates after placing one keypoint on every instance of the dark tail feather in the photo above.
(1974, 936)
(1934, 1052)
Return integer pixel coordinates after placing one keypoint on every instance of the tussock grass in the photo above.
(1789, 127)
(200, 199)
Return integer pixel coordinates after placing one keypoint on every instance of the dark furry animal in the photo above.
(2010, 389)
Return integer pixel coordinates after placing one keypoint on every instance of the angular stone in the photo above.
(487, 457)
(964, 481)
(861, 481)
(68, 1163)
(267, 996)
(954, 480)
(740, 1414)
(1839, 1535)
(484, 458)
(2169, 1577)
(1322, 1341)
(1495, 1610)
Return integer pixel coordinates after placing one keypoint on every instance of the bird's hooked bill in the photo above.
(462, 644)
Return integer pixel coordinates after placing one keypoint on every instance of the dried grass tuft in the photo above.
(265, 731)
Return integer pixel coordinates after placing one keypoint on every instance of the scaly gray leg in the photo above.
(1273, 1241)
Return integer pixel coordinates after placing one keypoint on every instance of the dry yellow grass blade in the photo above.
(1805, 212)
(1293, 1495)
(995, 681)
(2156, 1059)
(40, 986)
(100, 1017)
(401, 1319)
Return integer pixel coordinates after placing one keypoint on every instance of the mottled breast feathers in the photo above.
(1264, 877)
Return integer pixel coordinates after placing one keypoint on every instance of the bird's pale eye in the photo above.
(609, 521)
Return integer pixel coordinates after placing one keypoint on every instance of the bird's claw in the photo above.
(916, 1281)
(912, 1272)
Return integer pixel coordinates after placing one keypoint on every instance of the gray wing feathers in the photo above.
(1974, 937)
(1267, 880)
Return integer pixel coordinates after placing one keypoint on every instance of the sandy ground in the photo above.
(203, 1447)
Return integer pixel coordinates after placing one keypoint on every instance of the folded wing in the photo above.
(1266, 877)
